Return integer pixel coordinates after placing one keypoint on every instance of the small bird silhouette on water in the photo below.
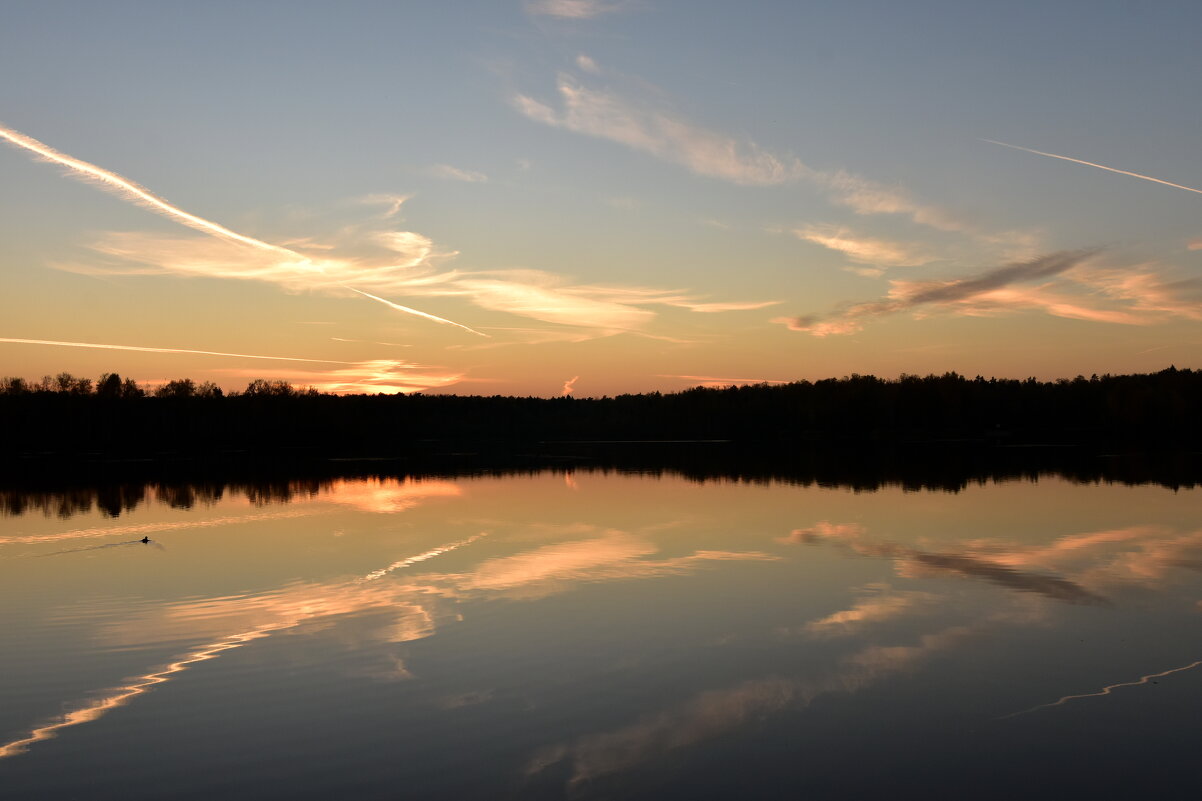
(145, 539)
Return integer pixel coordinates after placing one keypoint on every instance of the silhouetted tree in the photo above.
(109, 386)
(179, 388)
(130, 389)
(261, 387)
(10, 385)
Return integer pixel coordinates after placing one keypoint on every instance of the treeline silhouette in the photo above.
(66, 416)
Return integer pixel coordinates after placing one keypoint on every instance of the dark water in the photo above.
(591, 635)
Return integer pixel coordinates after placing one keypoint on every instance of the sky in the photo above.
(593, 197)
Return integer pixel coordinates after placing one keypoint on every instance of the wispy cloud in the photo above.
(1148, 292)
(1092, 164)
(457, 174)
(864, 249)
(293, 261)
(865, 196)
(377, 375)
(569, 386)
(988, 288)
(587, 64)
(669, 137)
(409, 264)
(573, 9)
(721, 381)
(643, 125)
(392, 202)
(374, 342)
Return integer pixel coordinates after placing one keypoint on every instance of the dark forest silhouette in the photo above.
(66, 416)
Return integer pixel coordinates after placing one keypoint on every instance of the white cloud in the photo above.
(864, 249)
(456, 174)
(587, 64)
(572, 9)
(608, 116)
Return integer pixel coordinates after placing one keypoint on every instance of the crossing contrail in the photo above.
(408, 310)
(168, 350)
(1091, 164)
(142, 196)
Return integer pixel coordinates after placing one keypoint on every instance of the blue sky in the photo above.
(635, 195)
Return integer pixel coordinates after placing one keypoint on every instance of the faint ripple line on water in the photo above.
(141, 528)
(1105, 690)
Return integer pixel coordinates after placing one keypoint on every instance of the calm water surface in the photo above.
(591, 635)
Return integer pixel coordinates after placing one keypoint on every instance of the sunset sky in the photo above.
(598, 196)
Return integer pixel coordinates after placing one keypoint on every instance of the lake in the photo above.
(599, 634)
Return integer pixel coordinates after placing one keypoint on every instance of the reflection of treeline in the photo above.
(120, 488)
(112, 498)
(116, 417)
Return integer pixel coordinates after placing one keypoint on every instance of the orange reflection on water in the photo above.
(138, 686)
(386, 495)
(417, 605)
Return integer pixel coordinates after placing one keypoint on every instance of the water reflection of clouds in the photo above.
(882, 604)
(1075, 568)
(552, 568)
(912, 562)
(385, 496)
(1091, 561)
(713, 713)
(416, 607)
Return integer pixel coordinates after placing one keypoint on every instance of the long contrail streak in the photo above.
(408, 310)
(1091, 164)
(1106, 690)
(147, 199)
(167, 350)
(132, 191)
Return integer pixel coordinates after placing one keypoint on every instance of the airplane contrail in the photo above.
(147, 199)
(168, 350)
(408, 310)
(132, 191)
(1091, 164)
